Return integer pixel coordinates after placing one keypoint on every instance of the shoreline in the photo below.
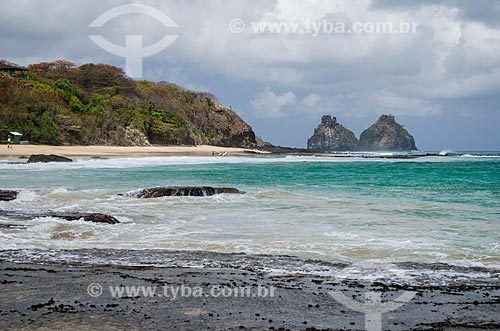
(24, 151)
(299, 301)
(98, 151)
(95, 151)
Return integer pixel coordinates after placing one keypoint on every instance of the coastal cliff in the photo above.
(387, 135)
(57, 103)
(331, 136)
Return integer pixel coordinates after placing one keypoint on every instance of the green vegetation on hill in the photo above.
(98, 104)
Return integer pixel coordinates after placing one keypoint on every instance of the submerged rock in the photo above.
(6, 195)
(88, 217)
(199, 191)
(331, 136)
(35, 158)
(387, 134)
(69, 216)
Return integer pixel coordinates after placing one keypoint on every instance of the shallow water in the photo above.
(367, 212)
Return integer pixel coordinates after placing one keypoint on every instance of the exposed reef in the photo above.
(7, 195)
(68, 216)
(198, 191)
(44, 158)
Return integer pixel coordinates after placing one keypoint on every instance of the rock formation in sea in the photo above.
(386, 135)
(331, 136)
(44, 158)
(199, 191)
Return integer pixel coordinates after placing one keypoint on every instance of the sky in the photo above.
(441, 79)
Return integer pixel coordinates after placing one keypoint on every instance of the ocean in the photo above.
(435, 218)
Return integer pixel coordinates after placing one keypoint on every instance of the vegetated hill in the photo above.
(97, 104)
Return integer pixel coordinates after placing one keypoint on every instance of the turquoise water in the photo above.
(433, 209)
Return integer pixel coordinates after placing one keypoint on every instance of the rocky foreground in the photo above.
(64, 297)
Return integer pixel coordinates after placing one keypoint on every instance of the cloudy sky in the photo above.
(442, 80)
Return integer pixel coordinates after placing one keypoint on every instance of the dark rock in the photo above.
(282, 149)
(448, 306)
(7, 195)
(388, 135)
(199, 191)
(69, 216)
(331, 136)
(92, 217)
(12, 226)
(35, 158)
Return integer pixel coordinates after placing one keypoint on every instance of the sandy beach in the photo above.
(116, 151)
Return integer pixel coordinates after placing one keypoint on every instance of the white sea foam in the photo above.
(59, 190)
(274, 266)
(26, 196)
(488, 156)
(135, 162)
(328, 227)
(373, 231)
(446, 152)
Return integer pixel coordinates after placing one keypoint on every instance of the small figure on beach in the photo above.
(9, 144)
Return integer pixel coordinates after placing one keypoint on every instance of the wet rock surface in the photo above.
(56, 297)
(44, 158)
(6, 195)
(199, 191)
(69, 216)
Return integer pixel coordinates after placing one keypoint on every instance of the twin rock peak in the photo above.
(385, 135)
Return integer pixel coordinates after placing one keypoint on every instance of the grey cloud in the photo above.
(485, 11)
